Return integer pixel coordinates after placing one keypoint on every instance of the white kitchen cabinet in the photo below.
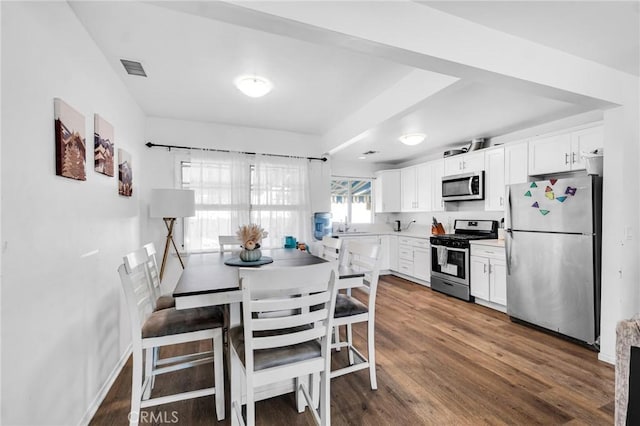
(422, 263)
(479, 271)
(387, 191)
(488, 275)
(516, 164)
(494, 179)
(409, 190)
(464, 163)
(393, 252)
(562, 152)
(415, 188)
(585, 140)
(437, 171)
(498, 281)
(414, 257)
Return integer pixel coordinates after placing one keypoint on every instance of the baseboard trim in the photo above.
(93, 407)
(609, 359)
(410, 278)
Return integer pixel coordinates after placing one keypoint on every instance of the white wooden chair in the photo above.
(349, 310)
(151, 330)
(331, 251)
(288, 340)
(331, 248)
(160, 301)
(229, 243)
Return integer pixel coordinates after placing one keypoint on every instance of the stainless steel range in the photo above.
(450, 256)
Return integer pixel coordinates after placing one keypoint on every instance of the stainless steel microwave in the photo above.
(468, 186)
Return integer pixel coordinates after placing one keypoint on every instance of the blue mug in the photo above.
(289, 242)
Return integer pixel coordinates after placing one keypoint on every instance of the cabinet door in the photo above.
(515, 163)
(473, 162)
(437, 171)
(393, 252)
(550, 154)
(379, 194)
(585, 140)
(422, 264)
(494, 179)
(384, 252)
(408, 189)
(423, 187)
(479, 276)
(498, 281)
(453, 166)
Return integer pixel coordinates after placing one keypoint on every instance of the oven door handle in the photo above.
(435, 246)
(471, 186)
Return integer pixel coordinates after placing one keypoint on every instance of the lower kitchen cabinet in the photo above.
(414, 257)
(488, 276)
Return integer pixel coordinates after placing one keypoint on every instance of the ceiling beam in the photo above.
(423, 37)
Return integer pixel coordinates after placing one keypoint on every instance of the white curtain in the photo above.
(280, 200)
(222, 185)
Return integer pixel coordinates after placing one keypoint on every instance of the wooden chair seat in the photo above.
(167, 322)
(275, 357)
(348, 306)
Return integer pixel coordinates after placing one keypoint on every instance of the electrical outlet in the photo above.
(628, 233)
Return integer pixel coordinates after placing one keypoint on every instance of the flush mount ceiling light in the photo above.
(253, 86)
(412, 138)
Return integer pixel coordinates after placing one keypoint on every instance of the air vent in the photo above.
(370, 152)
(133, 68)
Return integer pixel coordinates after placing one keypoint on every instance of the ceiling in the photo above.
(191, 61)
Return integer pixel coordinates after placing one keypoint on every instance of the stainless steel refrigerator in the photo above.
(553, 248)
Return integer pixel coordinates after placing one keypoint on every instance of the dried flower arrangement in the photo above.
(251, 236)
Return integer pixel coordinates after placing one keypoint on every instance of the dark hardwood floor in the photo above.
(440, 361)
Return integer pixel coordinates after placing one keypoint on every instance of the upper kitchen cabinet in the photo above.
(465, 163)
(562, 152)
(494, 178)
(437, 171)
(516, 162)
(416, 188)
(387, 191)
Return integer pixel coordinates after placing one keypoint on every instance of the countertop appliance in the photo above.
(450, 256)
(553, 248)
(467, 186)
(396, 226)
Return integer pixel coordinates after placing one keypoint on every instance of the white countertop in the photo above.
(492, 243)
(416, 234)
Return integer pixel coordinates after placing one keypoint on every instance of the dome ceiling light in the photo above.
(253, 86)
(412, 138)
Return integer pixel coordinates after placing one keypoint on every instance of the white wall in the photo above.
(64, 327)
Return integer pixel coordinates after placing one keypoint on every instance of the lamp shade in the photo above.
(172, 203)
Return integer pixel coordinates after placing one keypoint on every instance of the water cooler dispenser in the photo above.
(321, 225)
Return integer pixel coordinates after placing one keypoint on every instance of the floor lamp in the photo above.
(170, 204)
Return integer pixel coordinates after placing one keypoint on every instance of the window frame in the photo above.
(350, 179)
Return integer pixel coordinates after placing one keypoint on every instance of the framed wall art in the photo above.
(70, 141)
(125, 175)
(103, 146)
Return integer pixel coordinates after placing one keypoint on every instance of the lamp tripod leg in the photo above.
(169, 222)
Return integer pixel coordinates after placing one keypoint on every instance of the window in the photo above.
(234, 190)
(351, 200)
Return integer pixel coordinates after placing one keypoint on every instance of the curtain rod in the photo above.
(169, 147)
